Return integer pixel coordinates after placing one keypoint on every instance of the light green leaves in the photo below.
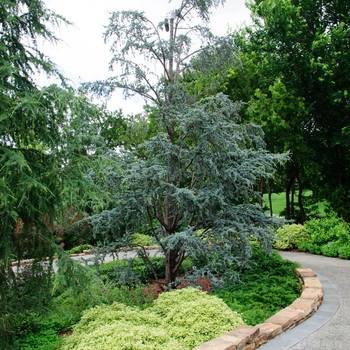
(180, 319)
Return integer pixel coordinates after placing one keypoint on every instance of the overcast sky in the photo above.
(82, 56)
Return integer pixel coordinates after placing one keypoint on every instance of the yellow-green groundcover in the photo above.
(178, 320)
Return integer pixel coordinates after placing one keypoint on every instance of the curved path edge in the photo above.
(290, 325)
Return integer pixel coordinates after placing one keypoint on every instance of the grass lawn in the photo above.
(279, 203)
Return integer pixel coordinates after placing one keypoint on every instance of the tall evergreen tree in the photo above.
(39, 141)
(194, 185)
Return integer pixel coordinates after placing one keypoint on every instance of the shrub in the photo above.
(330, 249)
(67, 308)
(180, 319)
(79, 249)
(191, 316)
(288, 236)
(329, 236)
(313, 248)
(139, 239)
(43, 340)
(134, 271)
(344, 251)
(73, 229)
(303, 245)
(327, 229)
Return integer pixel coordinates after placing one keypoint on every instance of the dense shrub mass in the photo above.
(288, 236)
(169, 324)
(329, 236)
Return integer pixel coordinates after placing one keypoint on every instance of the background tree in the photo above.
(306, 45)
(292, 52)
(194, 183)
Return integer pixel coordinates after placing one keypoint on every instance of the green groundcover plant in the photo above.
(268, 286)
(168, 324)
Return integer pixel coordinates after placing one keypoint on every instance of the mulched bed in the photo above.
(157, 287)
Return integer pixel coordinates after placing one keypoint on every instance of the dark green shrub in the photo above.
(46, 339)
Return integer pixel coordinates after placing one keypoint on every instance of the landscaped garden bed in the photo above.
(267, 286)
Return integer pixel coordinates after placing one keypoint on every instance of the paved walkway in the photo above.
(329, 327)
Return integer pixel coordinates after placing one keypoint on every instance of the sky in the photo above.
(82, 55)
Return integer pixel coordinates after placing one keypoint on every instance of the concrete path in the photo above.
(329, 327)
(120, 255)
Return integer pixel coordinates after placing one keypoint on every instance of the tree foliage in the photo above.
(194, 183)
(304, 46)
(44, 132)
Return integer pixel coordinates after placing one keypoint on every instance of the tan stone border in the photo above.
(250, 338)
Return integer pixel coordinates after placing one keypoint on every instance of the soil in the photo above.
(298, 251)
(157, 287)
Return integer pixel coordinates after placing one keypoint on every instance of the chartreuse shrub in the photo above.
(180, 319)
(140, 239)
(288, 236)
(67, 309)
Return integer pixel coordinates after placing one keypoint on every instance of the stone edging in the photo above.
(250, 338)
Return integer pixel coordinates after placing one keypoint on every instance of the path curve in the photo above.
(329, 327)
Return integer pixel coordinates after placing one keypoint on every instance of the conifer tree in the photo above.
(39, 142)
(194, 185)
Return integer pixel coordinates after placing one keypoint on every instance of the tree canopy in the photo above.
(295, 61)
